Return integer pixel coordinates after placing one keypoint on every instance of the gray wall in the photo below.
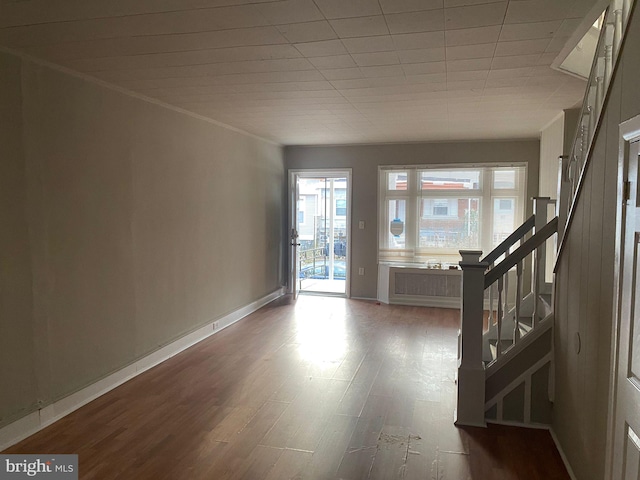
(364, 161)
(18, 386)
(585, 283)
(125, 225)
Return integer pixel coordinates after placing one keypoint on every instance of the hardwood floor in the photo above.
(321, 388)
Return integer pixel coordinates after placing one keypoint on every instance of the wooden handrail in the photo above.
(525, 249)
(510, 240)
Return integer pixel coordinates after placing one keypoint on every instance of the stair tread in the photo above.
(525, 325)
(506, 344)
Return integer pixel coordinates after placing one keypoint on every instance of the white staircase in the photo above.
(604, 63)
(505, 350)
(505, 339)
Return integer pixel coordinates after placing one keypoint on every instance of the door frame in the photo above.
(294, 174)
(629, 133)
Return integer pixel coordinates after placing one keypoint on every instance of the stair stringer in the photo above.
(518, 384)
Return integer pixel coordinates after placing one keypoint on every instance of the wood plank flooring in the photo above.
(319, 388)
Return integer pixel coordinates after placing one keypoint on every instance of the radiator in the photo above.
(414, 285)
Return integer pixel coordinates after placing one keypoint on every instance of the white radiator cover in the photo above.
(426, 287)
(420, 286)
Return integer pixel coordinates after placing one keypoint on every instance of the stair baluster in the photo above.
(592, 120)
(500, 316)
(505, 295)
(585, 138)
(617, 32)
(491, 320)
(535, 293)
(516, 329)
(540, 210)
(608, 62)
(599, 94)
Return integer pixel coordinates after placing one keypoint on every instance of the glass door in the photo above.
(322, 228)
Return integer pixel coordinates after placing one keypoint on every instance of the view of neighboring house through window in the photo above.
(313, 211)
(302, 208)
(322, 234)
(430, 213)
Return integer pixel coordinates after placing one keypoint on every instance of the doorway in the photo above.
(320, 224)
(624, 407)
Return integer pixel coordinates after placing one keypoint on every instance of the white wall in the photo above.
(551, 147)
(135, 224)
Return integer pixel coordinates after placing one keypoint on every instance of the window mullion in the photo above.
(411, 225)
(486, 222)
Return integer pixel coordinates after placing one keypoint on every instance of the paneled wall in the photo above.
(130, 225)
(585, 284)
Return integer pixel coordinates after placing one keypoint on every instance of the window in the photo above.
(504, 219)
(397, 180)
(505, 204)
(439, 207)
(432, 213)
(302, 206)
(341, 207)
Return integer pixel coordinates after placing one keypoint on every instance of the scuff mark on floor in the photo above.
(453, 453)
(386, 439)
(360, 449)
(437, 471)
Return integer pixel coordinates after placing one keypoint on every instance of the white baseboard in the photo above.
(511, 423)
(562, 455)
(36, 421)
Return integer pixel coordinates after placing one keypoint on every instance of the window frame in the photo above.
(415, 195)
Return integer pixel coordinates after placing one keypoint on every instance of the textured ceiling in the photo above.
(321, 71)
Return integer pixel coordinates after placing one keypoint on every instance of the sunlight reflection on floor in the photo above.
(323, 285)
(321, 330)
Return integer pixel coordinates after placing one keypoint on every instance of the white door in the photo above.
(294, 236)
(319, 231)
(626, 442)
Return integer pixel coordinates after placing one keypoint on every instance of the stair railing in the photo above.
(503, 249)
(478, 276)
(605, 58)
(535, 245)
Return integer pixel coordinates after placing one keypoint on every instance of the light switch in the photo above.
(361, 271)
(361, 224)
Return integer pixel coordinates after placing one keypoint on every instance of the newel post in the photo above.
(540, 210)
(471, 376)
(564, 193)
